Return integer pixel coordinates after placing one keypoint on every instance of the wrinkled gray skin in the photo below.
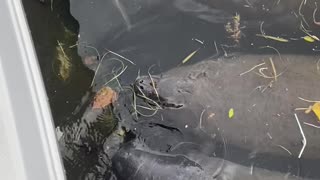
(264, 116)
(197, 98)
(138, 162)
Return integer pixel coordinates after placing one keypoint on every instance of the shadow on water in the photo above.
(154, 34)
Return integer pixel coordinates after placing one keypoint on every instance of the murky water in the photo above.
(157, 36)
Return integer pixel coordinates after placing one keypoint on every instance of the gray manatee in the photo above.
(263, 91)
(137, 162)
(200, 96)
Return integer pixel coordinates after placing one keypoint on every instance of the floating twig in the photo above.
(122, 71)
(274, 69)
(318, 65)
(301, 109)
(314, 15)
(282, 147)
(265, 76)
(261, 30)
(303, 2)
(273, 49)
(96, 71)
(304, 140)
(153, 83)
(148, 99)
(217, 51)
(200, 121)
(252, 69)
(121, 56)
(312, 125)
(307, 100)
(197, 40)
(279, 39)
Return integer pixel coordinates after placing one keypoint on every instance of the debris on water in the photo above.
(308, 39)
(197, 40)
(308, 110)
(211, 115)
(269, 135)
(312, 125)
(273, 38)
(304, 140)
(200, 120)
(314, 15)
(251, 169)
(274, 69)
(154, 85)
(303, 2)
(64, 62)
(316, 110)
(252, 69)
(231, 113)
(233, 29)
(282, 147)
(104, 97)
(275, 49)
(307, 100)
(303, 29)
(114, 53)
(186, 59)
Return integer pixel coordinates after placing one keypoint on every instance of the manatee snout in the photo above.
(148, 86)
(170, 92)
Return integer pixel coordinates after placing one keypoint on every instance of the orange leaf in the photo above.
(104, 97)
(316, 110)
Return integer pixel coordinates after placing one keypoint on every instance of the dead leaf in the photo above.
(316, 110)
(104, 97)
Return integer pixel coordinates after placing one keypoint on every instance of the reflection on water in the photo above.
(159, 36)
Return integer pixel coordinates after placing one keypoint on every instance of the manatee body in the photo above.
(132, 162)
(200, 97)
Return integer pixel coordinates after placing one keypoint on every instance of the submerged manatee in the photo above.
(180, 141)
(199, 97)
(137, 162)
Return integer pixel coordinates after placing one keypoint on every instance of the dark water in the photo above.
(157, 34)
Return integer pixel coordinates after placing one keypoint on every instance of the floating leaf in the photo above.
(273, 38)
(231, 113)
(189, 56)
(316, 109)
(104, 97)
(308, 39)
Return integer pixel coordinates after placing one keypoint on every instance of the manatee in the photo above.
(193, 137)
(137, 162)
(198, 97)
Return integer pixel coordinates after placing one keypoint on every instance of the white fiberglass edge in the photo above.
(28, 145)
